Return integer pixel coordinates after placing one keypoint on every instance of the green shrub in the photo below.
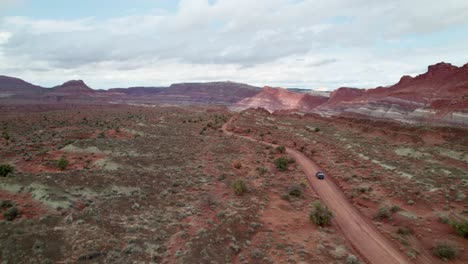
(320, 214)
(382, 213)
(62, 163)
(282, 163)
(403, 231)
(11, 213)
(239, 187)
(295, 190)
(395, 208)
(281, 149)
(460, 227)
(6, 204)
(5, 135)
(6, 169)
(262, 170)
(445, 250)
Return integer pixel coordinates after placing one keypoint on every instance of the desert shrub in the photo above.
(237, 164)
(320, 214)
(317, 129)
(5, 135)
(101, 135)
(239, 187)
(295, 190)
(403, 231)
(286, 197)
(395, 208)
(364, 189)
(262, 170)
(443, 218)
(281, 149)
(62, 163)
(282, 163)
(460, 227)
(6, 169)
(351, 259)
(11, 213)
(382, 213)
(445, 250)
(6, 204)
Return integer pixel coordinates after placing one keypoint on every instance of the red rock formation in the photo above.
(442, 90)
(274, 99)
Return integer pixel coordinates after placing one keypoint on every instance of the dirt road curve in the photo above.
(371, 245)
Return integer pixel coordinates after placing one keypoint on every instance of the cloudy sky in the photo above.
(291, 43)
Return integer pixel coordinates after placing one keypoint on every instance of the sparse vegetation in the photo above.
(461, 227)
(282, 163)
(445, 250)
(351, 259)
(6, 204)
(382, 213)
(281, 149)
(62, 163)
(403, 231)
(11, 213)
(6, 169)
(295, 190)
(262, 170)
(239, 187)
(395, 208)
(320, 214)
(5, 135)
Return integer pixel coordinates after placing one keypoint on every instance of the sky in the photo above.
(312, 44)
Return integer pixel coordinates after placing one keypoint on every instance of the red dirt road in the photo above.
(371, 245)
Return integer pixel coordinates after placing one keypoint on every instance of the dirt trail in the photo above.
(371, 245)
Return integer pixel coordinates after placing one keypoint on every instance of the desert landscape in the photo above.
(234, 131)
(225, 173)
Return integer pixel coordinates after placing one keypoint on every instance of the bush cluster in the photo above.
(461, 227)
(62, 163)
(445, 250)
(282, 163)
(239, 187)
(5, 169)
(320, 214)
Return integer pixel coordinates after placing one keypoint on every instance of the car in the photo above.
(320, 175)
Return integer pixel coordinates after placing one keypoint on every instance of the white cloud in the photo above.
(306, 43)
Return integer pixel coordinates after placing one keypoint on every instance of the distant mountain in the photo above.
(10, 86)
(223, 93)
(274, 99)
(74, 87)
(137, 91)
(438, 96)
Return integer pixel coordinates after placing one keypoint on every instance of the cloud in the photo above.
(277, 42)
